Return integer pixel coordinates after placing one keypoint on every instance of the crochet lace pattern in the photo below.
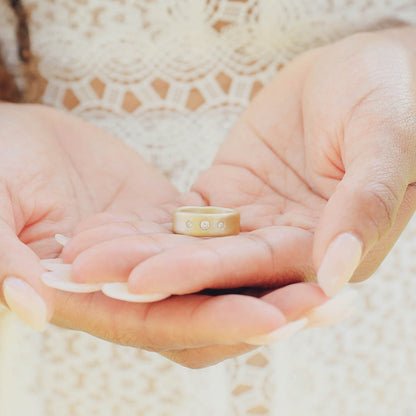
(170, 77)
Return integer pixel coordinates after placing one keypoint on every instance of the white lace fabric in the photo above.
(169, 77)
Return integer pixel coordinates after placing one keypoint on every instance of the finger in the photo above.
(113, 261)
(372, 133)
(106, 232)
(373, 257)
(102, 218)
(307, 300)
(269, 257)
(296, 299)
(371, 205)
(178, 322)
(22, 290)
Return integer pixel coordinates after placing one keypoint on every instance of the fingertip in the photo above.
(103, 263)
(334, 310)
(159, 280)
(179, 270)
(22, 299)
(241, 317)
(340, 261)
(295, 300)
(140, 281)
(279, 334)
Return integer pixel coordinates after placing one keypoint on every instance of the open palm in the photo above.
(260, 170)
(55, 170)
(307, 161)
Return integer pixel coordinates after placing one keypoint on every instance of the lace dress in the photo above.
(169, 77)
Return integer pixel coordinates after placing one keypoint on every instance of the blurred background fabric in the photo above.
(170, 77)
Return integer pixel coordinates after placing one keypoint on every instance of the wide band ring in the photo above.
(206, 221)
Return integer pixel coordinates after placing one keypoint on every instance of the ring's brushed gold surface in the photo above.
(206, 221)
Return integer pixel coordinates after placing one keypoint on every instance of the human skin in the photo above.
(38, 202)
(309, 158)
(326, 150)
(56, 171)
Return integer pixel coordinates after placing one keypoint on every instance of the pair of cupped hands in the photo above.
(321, 167)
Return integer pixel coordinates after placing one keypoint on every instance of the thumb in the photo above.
(363, 218)
(22, 290)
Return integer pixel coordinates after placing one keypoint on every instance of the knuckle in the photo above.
(381, 203)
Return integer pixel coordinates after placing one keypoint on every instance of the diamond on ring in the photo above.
(205, 225)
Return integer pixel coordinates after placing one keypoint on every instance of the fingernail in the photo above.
(25, 302)
(333, 311)
(46, 263)
(61, 271)
(56, 265)
(283, 332)
(61, 280)
(120, 291)
(61, 239)
(341, 259)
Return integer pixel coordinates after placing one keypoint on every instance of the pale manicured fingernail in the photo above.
(121, 291)
(61, 239)
(46, 263)
(333, 311)
(61, 271)
(25, 302)
(279, 334)
(340, 261)
(59, 267)
(61, 280)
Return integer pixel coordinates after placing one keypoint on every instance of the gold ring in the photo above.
(206, 221)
